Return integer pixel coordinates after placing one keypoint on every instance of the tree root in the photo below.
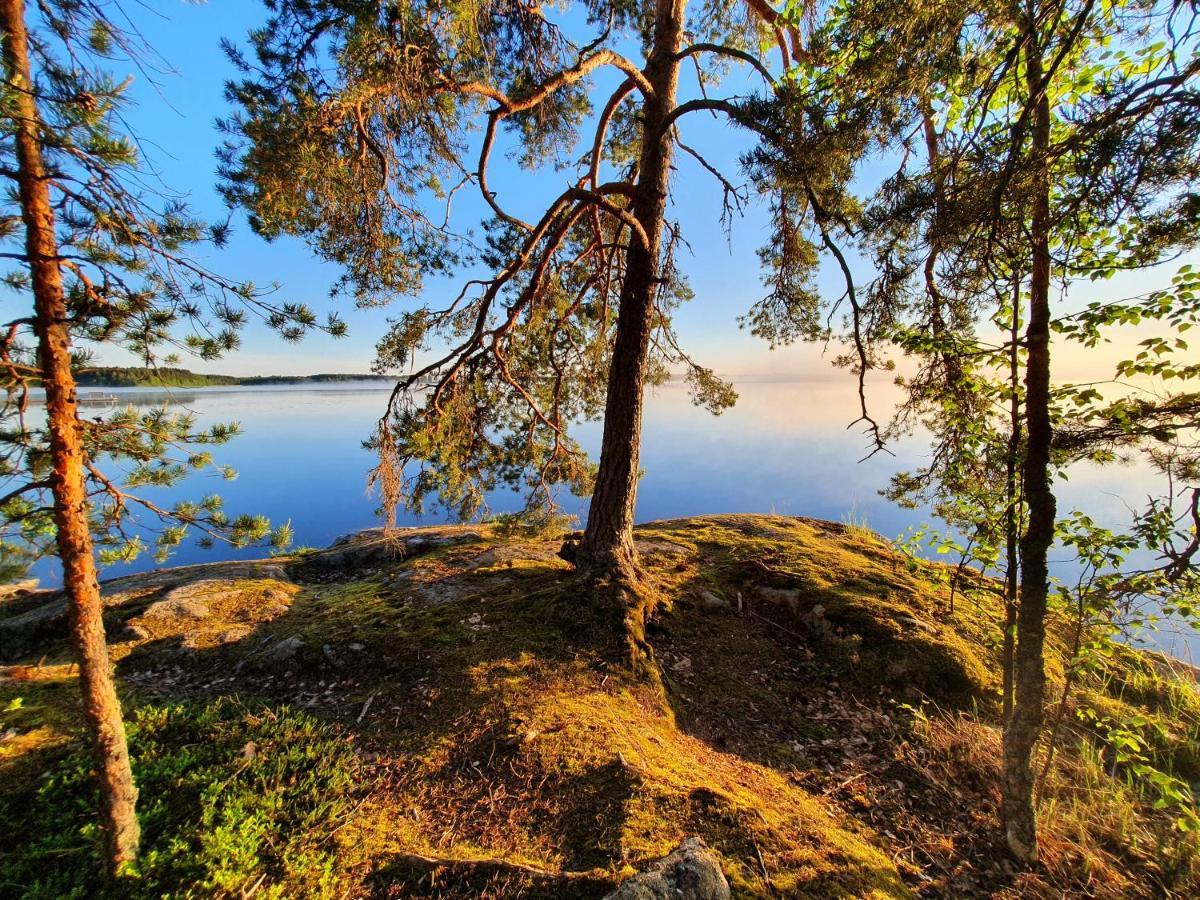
(493, 866)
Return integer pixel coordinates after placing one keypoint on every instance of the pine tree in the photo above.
(100, 261)
(353, 116)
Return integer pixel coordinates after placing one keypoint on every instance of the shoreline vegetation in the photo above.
(133, 376)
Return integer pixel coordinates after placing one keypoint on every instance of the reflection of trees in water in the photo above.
(143, 399)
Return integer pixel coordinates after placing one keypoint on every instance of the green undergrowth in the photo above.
(233, 797)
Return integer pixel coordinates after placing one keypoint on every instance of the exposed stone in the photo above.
(18, 589)
(661, 548)
(131, 632)
(283, 651)
(175, 608)
(328, 653)
(710, 600)
(26, 631)
(914, 622)
(511, 557)
(690, 872)
(789, 598)
(20, 634)
(374, 547)
(231, 635)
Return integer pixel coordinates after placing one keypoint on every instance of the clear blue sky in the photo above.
(174, 116)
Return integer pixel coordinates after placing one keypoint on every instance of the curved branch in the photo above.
(723, 50)
(703, 104)
(506, 106)
(489, 136)
(567, 76)
(771, 19)
(606, 115)
(597, 198)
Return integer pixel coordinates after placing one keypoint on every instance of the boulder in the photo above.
(27, 631)
(283, 651)
(23, 633)
(175, 608)
(374, 547)
(18, 589)
(689, 872)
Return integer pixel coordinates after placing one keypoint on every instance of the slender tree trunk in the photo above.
(1012, 498)
(101, 706)
(608, 541)
(1029, 671)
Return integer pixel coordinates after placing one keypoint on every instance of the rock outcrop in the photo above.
(689, 872)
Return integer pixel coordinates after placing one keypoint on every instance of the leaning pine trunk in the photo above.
(101, 706)
(607, 544)
(1029, 674)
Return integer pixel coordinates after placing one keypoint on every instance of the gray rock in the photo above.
(501, 557)
(283, 651)
(352, 554)
(18, 589)
(132, 632)
(788, 598)
(21, 634)
(26, 632)
(711, 600)
(374, 547)
(661, 548)
(175, 608)
(689, 872)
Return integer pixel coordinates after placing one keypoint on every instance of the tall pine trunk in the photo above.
(101, 706)
(1029, 671)
(608, 541)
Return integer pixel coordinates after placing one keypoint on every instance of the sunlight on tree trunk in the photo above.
(1029, 671)
(102, 708)
(608, 540)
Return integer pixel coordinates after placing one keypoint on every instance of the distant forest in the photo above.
(120, 376)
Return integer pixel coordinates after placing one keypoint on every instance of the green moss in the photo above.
(887, 624)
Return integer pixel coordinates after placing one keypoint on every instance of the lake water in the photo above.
(784, 448)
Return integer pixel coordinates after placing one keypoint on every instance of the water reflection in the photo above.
(784, 448)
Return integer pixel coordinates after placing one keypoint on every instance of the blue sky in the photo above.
(174, 115)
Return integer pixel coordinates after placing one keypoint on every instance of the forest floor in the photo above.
(433, 715)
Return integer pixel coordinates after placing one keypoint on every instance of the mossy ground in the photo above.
(458, 724)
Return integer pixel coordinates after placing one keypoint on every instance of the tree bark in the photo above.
(101, 705)
(607, 543)
(1029, 674)
(1013, 501)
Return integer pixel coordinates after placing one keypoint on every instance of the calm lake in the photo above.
(784, 449)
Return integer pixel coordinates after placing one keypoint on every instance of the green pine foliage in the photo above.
(133, 280)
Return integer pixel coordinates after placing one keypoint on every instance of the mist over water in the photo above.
(784, 448)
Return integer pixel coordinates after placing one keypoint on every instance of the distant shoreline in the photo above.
(123, 377)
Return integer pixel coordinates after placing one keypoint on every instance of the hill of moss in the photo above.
(436, 714)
